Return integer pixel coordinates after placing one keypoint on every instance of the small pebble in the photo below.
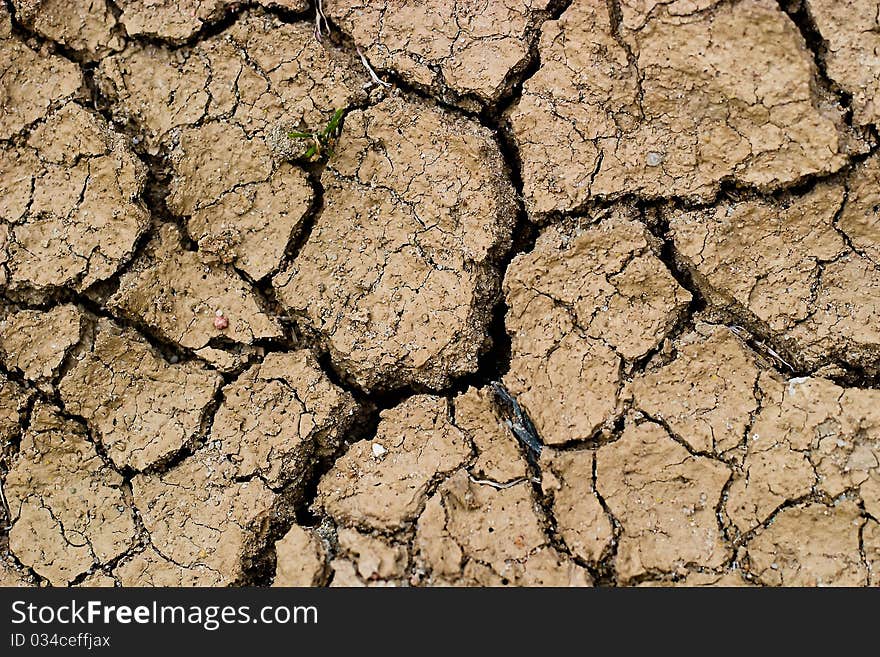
(220, 322)
(654, 159)
(379, 451)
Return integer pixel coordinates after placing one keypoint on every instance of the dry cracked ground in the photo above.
(447, 292)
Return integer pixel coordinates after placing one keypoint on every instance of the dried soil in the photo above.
(442, 293)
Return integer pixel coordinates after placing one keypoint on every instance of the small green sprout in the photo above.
(319, 144)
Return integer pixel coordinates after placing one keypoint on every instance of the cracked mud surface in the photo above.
(399, 273)
(467, 53)
(71, 204)
(444, 293)
(659, 103)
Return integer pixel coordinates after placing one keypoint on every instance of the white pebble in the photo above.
(654, 158)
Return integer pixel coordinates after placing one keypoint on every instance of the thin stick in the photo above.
(375, 78)
(6, 508)
(764, 349)
(319, 16)
(495, 484)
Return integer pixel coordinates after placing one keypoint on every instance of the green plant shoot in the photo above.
(319, 144)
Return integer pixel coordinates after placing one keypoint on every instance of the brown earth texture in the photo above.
(439, 293)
